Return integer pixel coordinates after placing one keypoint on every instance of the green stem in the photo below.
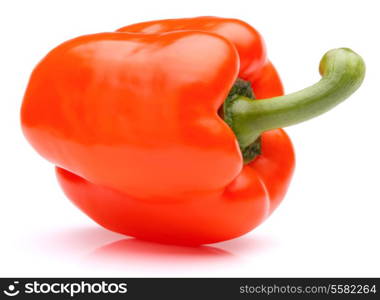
(342, 72)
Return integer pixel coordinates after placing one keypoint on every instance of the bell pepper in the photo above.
(170, 130)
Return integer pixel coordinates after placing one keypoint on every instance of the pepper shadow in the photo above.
(139, 248)
(95, 246)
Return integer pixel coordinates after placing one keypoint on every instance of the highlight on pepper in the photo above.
(170, 130)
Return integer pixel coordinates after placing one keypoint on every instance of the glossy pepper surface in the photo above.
(153, 137)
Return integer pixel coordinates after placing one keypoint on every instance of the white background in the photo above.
(328, 224)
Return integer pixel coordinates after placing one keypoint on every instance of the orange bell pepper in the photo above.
(157, 131)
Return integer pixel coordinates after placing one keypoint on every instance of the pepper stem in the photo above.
(342, 72)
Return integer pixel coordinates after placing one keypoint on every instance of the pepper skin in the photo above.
(130, 119)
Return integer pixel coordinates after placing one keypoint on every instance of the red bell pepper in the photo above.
(157, 131)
